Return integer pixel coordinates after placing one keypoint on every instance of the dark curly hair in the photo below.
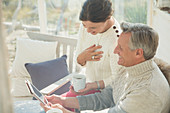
(96, 10)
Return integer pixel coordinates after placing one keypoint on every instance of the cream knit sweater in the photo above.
(107, 66)
(142, 89)
(138, 89)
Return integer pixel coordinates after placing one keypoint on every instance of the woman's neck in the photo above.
(109, 23)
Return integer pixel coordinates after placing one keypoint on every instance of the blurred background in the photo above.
(61, 17)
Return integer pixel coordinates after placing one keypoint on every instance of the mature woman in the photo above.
(98, 36)
(97, 39)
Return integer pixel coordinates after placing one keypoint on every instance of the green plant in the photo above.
(136, 12)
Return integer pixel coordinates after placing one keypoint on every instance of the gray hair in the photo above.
(143, 37)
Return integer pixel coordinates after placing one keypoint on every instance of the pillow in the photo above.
(28, 50)
(34, 51)
(45, 73)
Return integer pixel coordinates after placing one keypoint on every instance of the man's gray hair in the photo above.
(142, 36)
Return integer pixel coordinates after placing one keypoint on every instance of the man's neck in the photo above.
(137, 62)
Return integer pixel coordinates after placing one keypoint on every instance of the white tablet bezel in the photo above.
(28, 84)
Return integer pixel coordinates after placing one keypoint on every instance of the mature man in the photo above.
(140, 87)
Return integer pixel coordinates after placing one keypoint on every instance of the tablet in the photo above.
(35, 92)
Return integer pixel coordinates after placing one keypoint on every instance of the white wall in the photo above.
(161, 23)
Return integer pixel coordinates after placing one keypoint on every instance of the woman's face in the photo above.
(94, 28)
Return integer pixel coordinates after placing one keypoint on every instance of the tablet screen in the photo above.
(36, 93)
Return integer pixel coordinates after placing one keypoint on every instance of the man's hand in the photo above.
(54, 99)
(87, 54)
(46, 107)
(50, 106)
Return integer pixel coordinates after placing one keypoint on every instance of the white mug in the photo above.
(55, 110)
(78, 81)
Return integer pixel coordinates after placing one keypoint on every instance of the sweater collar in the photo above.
(106, 32)
(140, 68)
(111, 29)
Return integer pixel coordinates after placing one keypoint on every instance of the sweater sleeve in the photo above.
(116, 109)
(79, 47)
(97, 101)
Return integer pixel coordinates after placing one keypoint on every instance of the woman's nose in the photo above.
(88, 30)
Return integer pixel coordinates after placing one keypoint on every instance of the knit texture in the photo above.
(104, 69)
(137, 89)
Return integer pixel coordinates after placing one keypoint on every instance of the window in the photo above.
(130, 10)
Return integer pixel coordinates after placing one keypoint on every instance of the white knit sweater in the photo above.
(107, 66)
(141, 88)
(137, 90)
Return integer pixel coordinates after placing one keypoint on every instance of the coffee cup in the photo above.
(78, 81)
(56, 110)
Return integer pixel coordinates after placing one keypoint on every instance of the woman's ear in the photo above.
(108, 17)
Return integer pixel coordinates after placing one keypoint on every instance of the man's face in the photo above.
(94, 28)
(126, 56)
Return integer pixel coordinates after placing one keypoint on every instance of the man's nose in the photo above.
(116, 50)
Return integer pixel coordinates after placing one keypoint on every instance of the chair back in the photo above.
(65, 46)
(164, 67)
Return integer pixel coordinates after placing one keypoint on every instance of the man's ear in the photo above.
(139, 53)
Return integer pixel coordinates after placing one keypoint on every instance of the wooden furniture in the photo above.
(66, 45)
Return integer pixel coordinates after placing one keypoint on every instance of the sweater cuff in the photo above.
(82, 102)
(107, 81)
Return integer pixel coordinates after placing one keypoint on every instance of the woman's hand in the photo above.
(89, 87)
(87, 54)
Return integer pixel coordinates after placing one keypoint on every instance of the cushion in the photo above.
(34, 51)
(164, 67)
(28, 50)
(45, 73)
